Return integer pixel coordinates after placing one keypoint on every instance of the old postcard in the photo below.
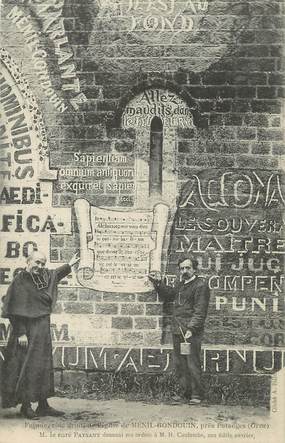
(142, 221)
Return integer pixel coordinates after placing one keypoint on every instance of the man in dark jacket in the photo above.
(190, 298)
(27, 374)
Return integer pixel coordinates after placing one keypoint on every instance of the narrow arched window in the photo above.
(155, 157)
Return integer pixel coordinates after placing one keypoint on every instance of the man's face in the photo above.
(36, 264)
(186, 270)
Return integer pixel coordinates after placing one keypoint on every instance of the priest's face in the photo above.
(186, 270)
(36, 263)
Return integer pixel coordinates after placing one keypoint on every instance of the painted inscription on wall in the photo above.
(158, 360)
(233, 221)
(111, 174)
(234, 189)
(161, 103)
(155, 15)
(27, 217)
(50, 16)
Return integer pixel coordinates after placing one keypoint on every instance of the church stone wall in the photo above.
(88, 78)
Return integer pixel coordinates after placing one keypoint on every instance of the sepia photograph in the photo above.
(142, 195)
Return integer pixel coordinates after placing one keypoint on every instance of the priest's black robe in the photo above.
(27, 374)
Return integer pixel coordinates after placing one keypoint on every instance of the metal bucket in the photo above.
(185, 348)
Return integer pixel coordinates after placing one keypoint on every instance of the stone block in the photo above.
(148, 297)
(91, 117)
(210, 161)
(182, 78)
(122, 322)
(124, 146)
(154, 309)
(145, 323)
(270, 36)
(69, 24)
(78, 38)
(246, 92)
(118, 133)
(152, 338)
(78, 308)
(276, 78)
(216, 119)
(276, 51)
(116, 338)
(94, 131)
(132, 309)
(90, 65)
(255, 64)
(227, 92)
(106, 308)
(275, 121)
(132, 338)
(230, 147)
(223, 105)
(278, 148)
(209, 106)
(92, 91)
(254, 162)
(67, 294)
(233, 119)
(57, 241)
(86, 294)
(256, 120)
(186, 133)
(266, 92)
(205, 92)
(261, 148)
(114, 92)
(223, 133)
(266, 106)
(105, 200)
(254, 51)
(183, 146)
(238, 78)
(118, 297)
(55, 255)
(101, 78)
(86, 78)
(194, 78)
(214, 78)
(270, 134)
(246, 133)
(107, 105)
(193, 146)
(241, 105)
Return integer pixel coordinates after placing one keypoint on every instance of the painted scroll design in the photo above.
(119, 248)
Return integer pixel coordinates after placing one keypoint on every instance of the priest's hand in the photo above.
(74, 259)
(23, 340)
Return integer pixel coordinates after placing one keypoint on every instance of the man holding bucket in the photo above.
(191, 299)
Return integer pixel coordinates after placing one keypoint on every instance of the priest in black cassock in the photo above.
(27, 374)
